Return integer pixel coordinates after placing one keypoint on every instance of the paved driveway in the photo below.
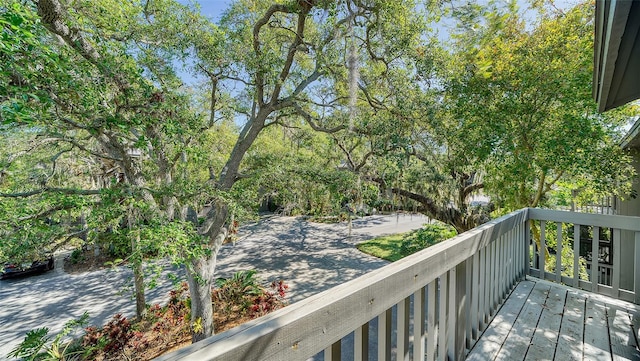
(310, 257)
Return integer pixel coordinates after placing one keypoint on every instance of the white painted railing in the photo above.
(432, 305)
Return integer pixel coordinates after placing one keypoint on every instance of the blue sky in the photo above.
(211, 8)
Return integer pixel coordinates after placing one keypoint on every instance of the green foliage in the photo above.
(234, 291)
(395, 247)
(33, 343)
(36, 344)
(242, 294)
(521, 105)
(76, 256)
(567, 256)
(424, 237)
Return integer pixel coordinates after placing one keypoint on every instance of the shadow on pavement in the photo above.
(310, 257)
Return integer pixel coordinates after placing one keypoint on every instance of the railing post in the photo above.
(576, 255)
(595, 251)
(615, 277)
(558, 252)
(462, 305)
(527, 247)
(543, 249)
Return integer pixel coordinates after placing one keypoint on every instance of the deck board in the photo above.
(517, 343)
(596, 335)
(570, 344)
(545, 321)
(623, 341)
(491, 342)
(545, 339)
(635, 325)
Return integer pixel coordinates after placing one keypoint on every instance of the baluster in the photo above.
(543, 249)
(361, 343)
(384, 335)
(482, 287)
(431, 321)
(527, 258)
(636, 274)
(442, 318)
(558, 252)
(333, 352)
(476, 285)
(615, 281)
(595, 251)
(452, 329)
(419, 335)
(576, 255)
(403, 330)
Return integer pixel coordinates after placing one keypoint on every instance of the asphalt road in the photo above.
(310, 257)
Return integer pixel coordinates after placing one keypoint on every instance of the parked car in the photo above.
(12, 270)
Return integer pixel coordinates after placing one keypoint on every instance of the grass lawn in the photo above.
(386, 247)
(397, 246)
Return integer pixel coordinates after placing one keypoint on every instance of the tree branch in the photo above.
(76, 144)
(69, 191)
(51, 12)
(309, 119)
(258, 49)
(472, 188)
(293, 48)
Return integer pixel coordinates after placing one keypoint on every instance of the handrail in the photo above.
(586, 219)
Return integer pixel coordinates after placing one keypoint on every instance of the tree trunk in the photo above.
(536, 238)
(200, 279)
(138, 275)
(138, 281)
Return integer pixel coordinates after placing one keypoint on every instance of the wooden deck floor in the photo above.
(546, 321)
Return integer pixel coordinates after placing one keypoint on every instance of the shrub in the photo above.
(242, 294)
(163, 327)
(112, 337)
(427, 236)
(36, 344)
(269, 301)
(77, 256)
(237, 290)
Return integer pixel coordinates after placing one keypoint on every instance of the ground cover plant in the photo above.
(162, 329)
(397, 246)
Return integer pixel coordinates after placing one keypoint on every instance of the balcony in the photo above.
(487, 294)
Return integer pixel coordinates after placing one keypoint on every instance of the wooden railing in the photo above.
(610, 238)
(442, 297)
(432, 305)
